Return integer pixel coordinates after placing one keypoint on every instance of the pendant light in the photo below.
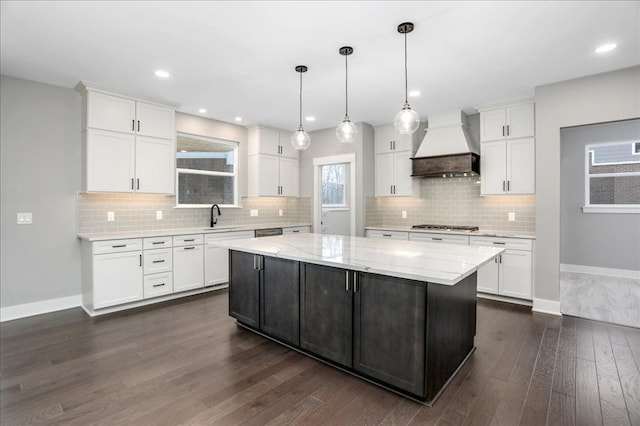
(407, 120)
(300, 140)
(346, 132)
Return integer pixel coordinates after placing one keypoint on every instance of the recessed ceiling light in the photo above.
(202, 110)
(162, 74)
(606, 47)
(238, 119)
(310, 118)
(414, 93)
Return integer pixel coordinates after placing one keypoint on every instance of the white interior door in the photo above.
(336, 209)
(335, 218)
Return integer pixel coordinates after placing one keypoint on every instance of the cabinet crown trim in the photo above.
(83, 86)
(502, 104)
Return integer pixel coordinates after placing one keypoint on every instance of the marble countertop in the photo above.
(423, 261)
(101, 236)
(479, 233)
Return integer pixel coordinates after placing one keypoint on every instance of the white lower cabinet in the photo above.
(158, 266)
(216, 259)
(439, 238)
(296, 230)
(116, 274)
(188, 267)
(392, 235)
(511, 273)
(158, 285)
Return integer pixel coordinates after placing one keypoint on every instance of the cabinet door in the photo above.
(384, 174)
(488, 277)
(158, 260)
(521, 168)
(244, 289)
(155, 165)
(280, 299)
(157, 121)
(117, 278)
(403, 143)
(521, 121)
(389, 338)
(286, 149)
(326, 313)
(269, 175)
(402, 174)
(384, 139)
(158, 285)
(108, 112)
(516, 274)
(216, 265)
(289, 177)
(188, 268)
(492, 125)
(110, 160)
(269, 141)
(493, 168)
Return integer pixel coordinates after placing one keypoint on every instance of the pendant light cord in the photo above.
(300, 100)
(346, 87)
(406, 89)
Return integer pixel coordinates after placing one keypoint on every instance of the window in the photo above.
(206, 171)
(333, 185)
(636, 148)
(612, 178)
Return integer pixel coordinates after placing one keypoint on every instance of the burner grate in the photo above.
(446, 227)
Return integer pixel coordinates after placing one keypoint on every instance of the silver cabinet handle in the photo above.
(157, 242)
(503, 186)
(190, 239)
(386, 235)
(390, 145)
(140, 260)
(133, 125)
(254, 261)
(158, 285)
(436, 239)
(355, 282)
(189, 248)
(500, 258)
(138, 183)
(499, 242)
(131, 183)
(508, 185)
(158, 261)
(346, 280)
(138, 125)
(503, 131)
(119, 246)
(508, 130)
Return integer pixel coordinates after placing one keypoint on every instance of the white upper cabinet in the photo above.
(263, 140)
(508, 122)
(507, 149)
(388, 140)
(272, 164)
(129, 144)
(393, 163)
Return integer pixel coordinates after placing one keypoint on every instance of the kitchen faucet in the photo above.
(213, 222)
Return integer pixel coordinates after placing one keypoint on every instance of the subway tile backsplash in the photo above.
(135, 212)
(454, 201)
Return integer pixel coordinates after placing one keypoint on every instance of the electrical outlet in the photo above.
(512, 216)
(158, 214)
(280, 212)
(111, 216)
(404, 214)
(25, 218)
(253, 212)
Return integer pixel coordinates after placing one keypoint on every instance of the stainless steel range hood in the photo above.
(447, 149)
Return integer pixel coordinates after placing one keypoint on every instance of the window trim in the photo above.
(606, 208)
(234, 174)
(635, 148)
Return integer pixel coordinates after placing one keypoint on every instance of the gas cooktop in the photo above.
(446, 227)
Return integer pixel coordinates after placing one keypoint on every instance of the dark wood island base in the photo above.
(408, 336)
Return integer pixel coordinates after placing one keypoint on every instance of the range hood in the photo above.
(447, 150)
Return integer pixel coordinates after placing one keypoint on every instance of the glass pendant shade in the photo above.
(346, 132)
(406, 121)
(300, 140)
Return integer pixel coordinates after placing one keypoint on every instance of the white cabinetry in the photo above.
(158, 266)
(188, 262)
(439, 238)
(393, 164)
(510, 274)
(392, 235)
(114, 270)
(216, 259)
(272, 164)
(507, 150)
(296, 230)
(128, 144)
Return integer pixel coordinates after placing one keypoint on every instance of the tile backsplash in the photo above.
(454, 201)
(135, 212)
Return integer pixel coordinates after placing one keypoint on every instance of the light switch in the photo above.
(159, 214)
(25, 218)
(111, 216)
(404, 214)
(253, 212)
(512, 216)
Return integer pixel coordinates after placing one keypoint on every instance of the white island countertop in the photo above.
(423, 261)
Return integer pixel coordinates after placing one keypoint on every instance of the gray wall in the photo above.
(594, 239)
(595, 99)
(40, 173)
(323, 144)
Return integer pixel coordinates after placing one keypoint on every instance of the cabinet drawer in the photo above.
(393, 235)
(187, 240)
(157, 242)
(228, 236)
(508, 243)
(158, 285)
(159, 260)
(296, 230)
(117, 246)
(439, 238)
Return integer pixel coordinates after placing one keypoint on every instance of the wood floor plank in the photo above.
(629, 381)
(587, 394)
(402, 414)
(614, 409)
(542, 378)
(633, 339)
(584, 340)
(605, 363)
(562, 410)
(564, 379)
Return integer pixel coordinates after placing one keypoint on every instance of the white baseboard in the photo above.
(546, 306)
(9, 313)
(595, 270)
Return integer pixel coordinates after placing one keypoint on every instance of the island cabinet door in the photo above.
(389, 330)
(244, 288)
(326, 309)
(280, 299)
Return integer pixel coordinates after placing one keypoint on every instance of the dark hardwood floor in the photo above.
(187, 362)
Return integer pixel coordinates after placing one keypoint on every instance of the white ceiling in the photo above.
(237, 58)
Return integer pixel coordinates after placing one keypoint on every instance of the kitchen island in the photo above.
(400, 314)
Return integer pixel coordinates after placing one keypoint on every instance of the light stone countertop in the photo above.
(102, 236)
(479, 233)
(423, 261)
